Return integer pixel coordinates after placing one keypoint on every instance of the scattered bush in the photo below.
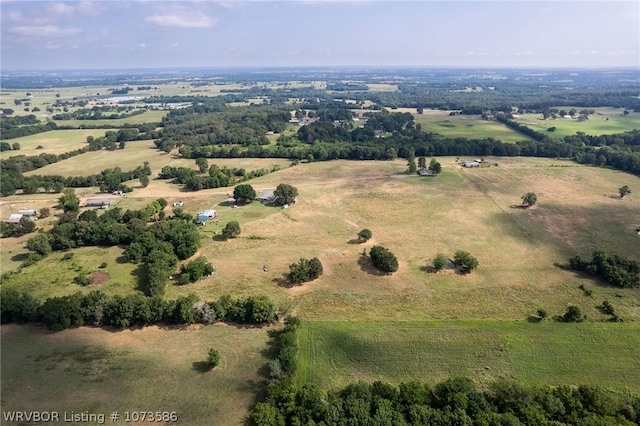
(213, 358)
(365, 235)
(440, 262)
(305, 270)
(231, 230)
(572, 314)
(465, 261)
(383, 259)
(542, 314)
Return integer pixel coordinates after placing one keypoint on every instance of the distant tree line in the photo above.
(99, 113)
(98, 309)
(17, 127)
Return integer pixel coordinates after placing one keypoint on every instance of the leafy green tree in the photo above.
(244, 193)
(434, 166)
(305, 270)
(383, 259)
(213, 358)
(69, 202)
(203, 164)
(440, 261)
(411, 164)
(464, 261)
(529, 199)
(44, 212)
(542, 313)
(422, 162)
(231, 230)
(144, 181)
(285, 194)
(624, 190)
(195, 270)
(39, 244)
(365, 235)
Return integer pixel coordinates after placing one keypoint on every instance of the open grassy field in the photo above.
(150, 369)
(145, 117)
(416, 218)
(334, 354)
(605, 121)
(52, 142)
(465, 126)
(134, 155)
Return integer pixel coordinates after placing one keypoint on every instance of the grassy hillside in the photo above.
(416, 218)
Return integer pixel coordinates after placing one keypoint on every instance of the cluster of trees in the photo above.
(461, 260)
(195, 270)
(23, 227)
(98, 309)
(6, 146)
(456, 401)
(217, 177)
(614, 269)
(305, 270)
(159, 245)
(283, 368)
(383, 259)
(242, 126)
(19, 126)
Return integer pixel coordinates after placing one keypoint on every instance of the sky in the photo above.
(48, 35)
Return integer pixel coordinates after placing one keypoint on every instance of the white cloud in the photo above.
(182, 20)
(50, 45)
(142, 45)
(14, 16)
(44, 31)
(61, 10)
(175, 44)
(88, 8)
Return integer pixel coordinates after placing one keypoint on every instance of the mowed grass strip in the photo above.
(149, 369)
(333, 354)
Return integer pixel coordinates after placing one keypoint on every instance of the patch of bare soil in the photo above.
(98, 278)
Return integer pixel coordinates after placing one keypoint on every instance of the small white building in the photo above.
(206, 215)
(28, 212)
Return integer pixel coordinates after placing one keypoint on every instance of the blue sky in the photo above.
(42, 35)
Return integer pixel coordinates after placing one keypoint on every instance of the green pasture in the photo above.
(333, 354)
(605, 121)
(467, 126)
(149, 369)
(52, 142)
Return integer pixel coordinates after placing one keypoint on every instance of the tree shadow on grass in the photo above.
(20, 257)
(533, 319)
(366, 265)
(284, 282)
(355, 241)
(201, 367)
